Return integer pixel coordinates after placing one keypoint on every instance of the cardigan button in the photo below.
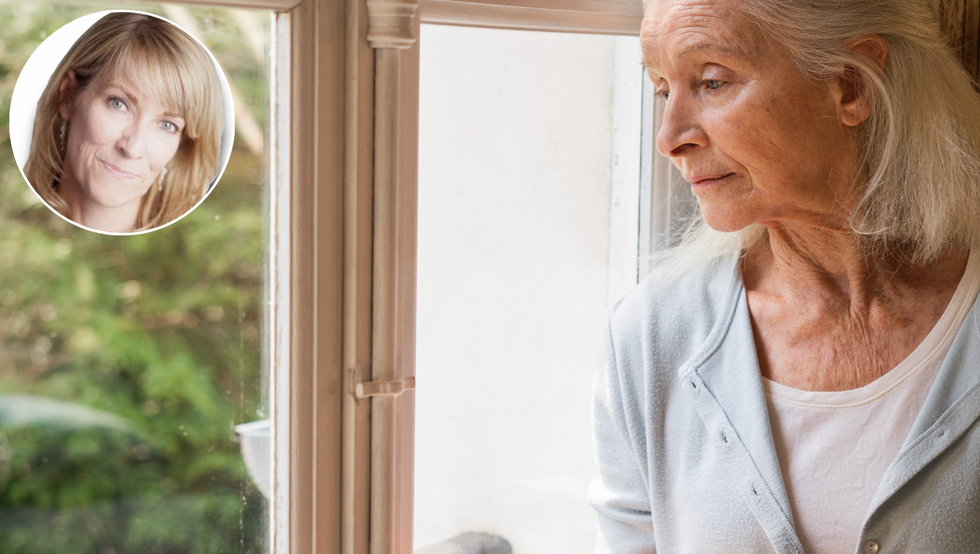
(871, 547)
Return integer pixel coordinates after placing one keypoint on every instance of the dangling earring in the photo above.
(64, 133)
(163, 174)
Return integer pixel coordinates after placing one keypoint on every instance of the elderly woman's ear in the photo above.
(66, 94)
(855, 98)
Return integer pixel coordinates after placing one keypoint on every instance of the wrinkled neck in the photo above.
(839, 264)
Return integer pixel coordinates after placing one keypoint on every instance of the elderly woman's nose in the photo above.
(679, 132)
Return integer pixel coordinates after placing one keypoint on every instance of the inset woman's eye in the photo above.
(169, 126)
(665, 94)
(117, 103)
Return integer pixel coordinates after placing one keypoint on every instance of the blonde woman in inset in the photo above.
(128, 128)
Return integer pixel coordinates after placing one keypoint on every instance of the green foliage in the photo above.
(163, 330)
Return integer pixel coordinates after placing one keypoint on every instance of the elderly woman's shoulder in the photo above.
(678, 298)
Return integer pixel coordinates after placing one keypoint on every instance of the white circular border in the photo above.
(36, 74)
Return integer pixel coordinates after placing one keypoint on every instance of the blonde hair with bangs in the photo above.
(161, 60)
(918, 188)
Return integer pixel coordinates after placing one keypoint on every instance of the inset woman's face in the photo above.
(119, 140)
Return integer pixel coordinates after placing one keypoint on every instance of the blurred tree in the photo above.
(162, 330)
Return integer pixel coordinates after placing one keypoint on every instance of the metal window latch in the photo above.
(393, 387)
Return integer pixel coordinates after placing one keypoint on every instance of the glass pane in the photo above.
(126, 362)
(515, 181)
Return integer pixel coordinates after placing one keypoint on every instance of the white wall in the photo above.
(514, 188)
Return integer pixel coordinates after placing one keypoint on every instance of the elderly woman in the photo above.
(128, 129)
(804, 373)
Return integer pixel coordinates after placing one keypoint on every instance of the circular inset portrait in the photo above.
(121, 122)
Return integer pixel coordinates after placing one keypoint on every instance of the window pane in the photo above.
(125, 362)
(515, 188)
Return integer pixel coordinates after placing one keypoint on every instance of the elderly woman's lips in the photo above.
(117, 171)
(704, 180)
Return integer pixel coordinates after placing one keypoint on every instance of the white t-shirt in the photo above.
(834, 447)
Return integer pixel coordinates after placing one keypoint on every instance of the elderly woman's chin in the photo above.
(724, 222)
(727, 217)
(730, 203)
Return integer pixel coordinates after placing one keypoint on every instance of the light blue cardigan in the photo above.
(685, 457)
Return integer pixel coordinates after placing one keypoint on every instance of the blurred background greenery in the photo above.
(151, 345)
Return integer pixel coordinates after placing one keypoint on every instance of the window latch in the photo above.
(384, 388)
(393, 387)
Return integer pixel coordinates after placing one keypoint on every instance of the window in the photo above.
(302, 312)
(505, 349)
(518, 151)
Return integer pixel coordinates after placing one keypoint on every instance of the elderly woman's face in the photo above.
(758, 141)
(119, 140)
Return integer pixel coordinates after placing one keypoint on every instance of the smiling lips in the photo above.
(116, 171)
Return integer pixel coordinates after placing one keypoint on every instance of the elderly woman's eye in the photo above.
(117, 103)
(713, 83)
(665, 94)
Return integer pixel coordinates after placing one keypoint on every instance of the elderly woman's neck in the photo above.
(828, 316)
(843, 264)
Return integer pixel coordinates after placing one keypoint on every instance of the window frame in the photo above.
(615, 17)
